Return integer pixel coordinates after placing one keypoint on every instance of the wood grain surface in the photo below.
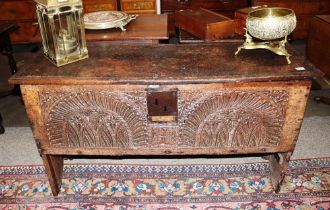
(144, 27)
(165, 64)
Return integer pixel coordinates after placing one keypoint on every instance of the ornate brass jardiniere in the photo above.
(271, 25)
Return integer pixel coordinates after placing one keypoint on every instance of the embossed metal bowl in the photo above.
(271, 23)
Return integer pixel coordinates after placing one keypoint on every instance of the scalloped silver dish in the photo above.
(107, 19)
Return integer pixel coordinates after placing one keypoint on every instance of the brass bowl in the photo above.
(271, 23)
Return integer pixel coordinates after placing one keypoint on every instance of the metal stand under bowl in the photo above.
(277, 47)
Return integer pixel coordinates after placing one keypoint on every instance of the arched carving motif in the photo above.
(234, 119)
(94, 119)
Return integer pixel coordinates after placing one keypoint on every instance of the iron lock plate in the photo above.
(162, 106)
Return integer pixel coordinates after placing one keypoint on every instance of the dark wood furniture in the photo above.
(318, 47)
(24, 12)
(99, 5)
(187, 38)
(223, 7)
(6, 49)
(138, 6)
(166, 100)
(205, 24)
(304, 9)
(145, 28)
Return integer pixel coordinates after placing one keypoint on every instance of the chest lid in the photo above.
(165, 64)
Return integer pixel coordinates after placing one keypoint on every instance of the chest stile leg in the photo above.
(279, 162)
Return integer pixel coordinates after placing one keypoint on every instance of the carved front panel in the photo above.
(242, 118)
(216, 118)
(95, 119)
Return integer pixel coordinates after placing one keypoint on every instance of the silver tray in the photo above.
(107, 19)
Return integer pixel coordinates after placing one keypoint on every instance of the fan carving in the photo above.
(234, 119)
(94, 120)
(224, 118)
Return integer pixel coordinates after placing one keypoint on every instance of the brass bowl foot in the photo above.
(277, 47)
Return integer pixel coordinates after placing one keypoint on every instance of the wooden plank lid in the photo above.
(165, 64)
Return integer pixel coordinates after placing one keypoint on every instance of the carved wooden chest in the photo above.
(166, 100)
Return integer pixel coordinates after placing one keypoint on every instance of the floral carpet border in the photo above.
(169, 187)
(161, 169)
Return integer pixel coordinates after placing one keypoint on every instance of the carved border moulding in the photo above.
(95, 119)
(232, 118)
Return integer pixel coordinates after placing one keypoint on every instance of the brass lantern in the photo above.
(62, 30)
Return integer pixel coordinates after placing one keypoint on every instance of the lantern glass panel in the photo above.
(62, 32)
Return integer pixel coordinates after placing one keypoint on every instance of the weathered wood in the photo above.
(32, 107)
(251, 105)
(166, 148)
(57, 106)
(54, 169)
(165, 64)
(278, 164)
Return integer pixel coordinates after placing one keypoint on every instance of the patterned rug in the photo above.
(168, 187)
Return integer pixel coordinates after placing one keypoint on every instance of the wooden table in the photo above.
(146, 28)
(166, 100)
(6, 49)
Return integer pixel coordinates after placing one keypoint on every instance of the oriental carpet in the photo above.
(168, 187)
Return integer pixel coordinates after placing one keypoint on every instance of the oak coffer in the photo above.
(166, 100)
